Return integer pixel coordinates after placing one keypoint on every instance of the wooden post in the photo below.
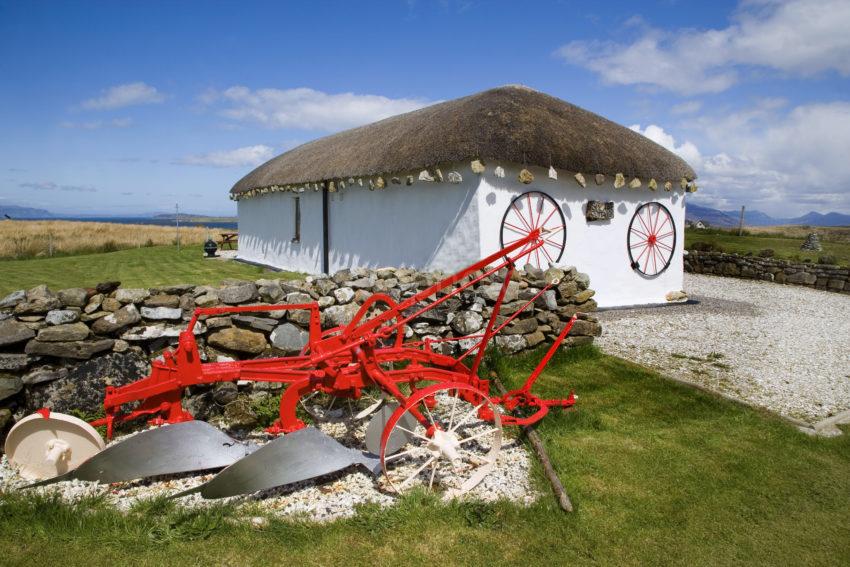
(741, 222)
(537, 444)
(177, 220)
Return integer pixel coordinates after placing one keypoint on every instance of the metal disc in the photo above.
(43, 447)
(298, 456)
(375, 429)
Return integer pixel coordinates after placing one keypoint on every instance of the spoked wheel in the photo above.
(454, 453)
(536, 210)
(651, 239)
(325, 407)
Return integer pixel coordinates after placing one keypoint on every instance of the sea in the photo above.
(154, 221)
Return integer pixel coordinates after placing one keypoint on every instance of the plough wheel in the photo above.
(46, 444)
(455, 452)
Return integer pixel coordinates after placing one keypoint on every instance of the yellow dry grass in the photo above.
(39, 238)
(826, 233)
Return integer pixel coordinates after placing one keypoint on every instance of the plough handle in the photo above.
(531, 240)
(549, 354)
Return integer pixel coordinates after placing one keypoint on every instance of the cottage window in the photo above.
(297, 225)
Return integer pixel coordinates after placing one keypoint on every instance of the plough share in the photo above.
(435, 422)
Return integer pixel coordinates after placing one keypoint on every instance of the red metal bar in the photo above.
(549, 354)
(488, 332)
(449, 281)
(507, 321)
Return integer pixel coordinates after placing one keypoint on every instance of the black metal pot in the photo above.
(210, 247)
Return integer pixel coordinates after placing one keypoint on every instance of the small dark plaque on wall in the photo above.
(599, 210)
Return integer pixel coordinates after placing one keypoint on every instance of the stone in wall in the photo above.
(82, 387)
(599, 210)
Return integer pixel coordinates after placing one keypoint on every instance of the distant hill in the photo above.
(187, 216)
(16, 212)
(713, 217)
(718, 218)
(818, 219)
(753, 218)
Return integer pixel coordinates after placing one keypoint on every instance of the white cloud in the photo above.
(782, 161)
(687, 150)
(249, 155)
(305, 108)
(51, 186)
(120, 96)
(687, 107)
(798, 37)
(98, 124)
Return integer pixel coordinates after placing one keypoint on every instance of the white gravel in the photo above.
(781, 347)
(331, 497)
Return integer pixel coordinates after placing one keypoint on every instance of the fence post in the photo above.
(177, 219)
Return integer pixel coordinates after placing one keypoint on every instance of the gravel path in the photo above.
(785, 348)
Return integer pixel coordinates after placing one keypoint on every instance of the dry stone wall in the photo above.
(820, 276)
(59, 349)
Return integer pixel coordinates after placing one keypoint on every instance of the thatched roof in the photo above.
(506, 124)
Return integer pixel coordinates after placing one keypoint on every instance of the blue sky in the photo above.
(131, 107)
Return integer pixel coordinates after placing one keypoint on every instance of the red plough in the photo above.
(433, 409)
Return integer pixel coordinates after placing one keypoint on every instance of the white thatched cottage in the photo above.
(441, 187)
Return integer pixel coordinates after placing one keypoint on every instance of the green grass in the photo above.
(786, 248)
(137, 267)
(659, 474)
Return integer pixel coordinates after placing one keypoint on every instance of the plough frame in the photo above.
(345, 360)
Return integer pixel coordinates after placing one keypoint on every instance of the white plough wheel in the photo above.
(461, 450)
(44, 445)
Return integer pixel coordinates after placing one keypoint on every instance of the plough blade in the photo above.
(398, 438)
(298, 456)
(369, 410)
(172, 449)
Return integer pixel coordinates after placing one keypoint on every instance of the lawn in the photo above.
(660, 474)
(783, 247)
(136, 267)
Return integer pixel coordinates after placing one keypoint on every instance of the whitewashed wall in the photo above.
(427, 225)
(449, 226)
(266, 229)
(597, 248)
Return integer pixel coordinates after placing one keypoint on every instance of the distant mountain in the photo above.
(818, 219)
(713, 217)
(718, 218)
(753, 218)
(16, 212)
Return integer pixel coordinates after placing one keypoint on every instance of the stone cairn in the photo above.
(812, 242)
(60, 349)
